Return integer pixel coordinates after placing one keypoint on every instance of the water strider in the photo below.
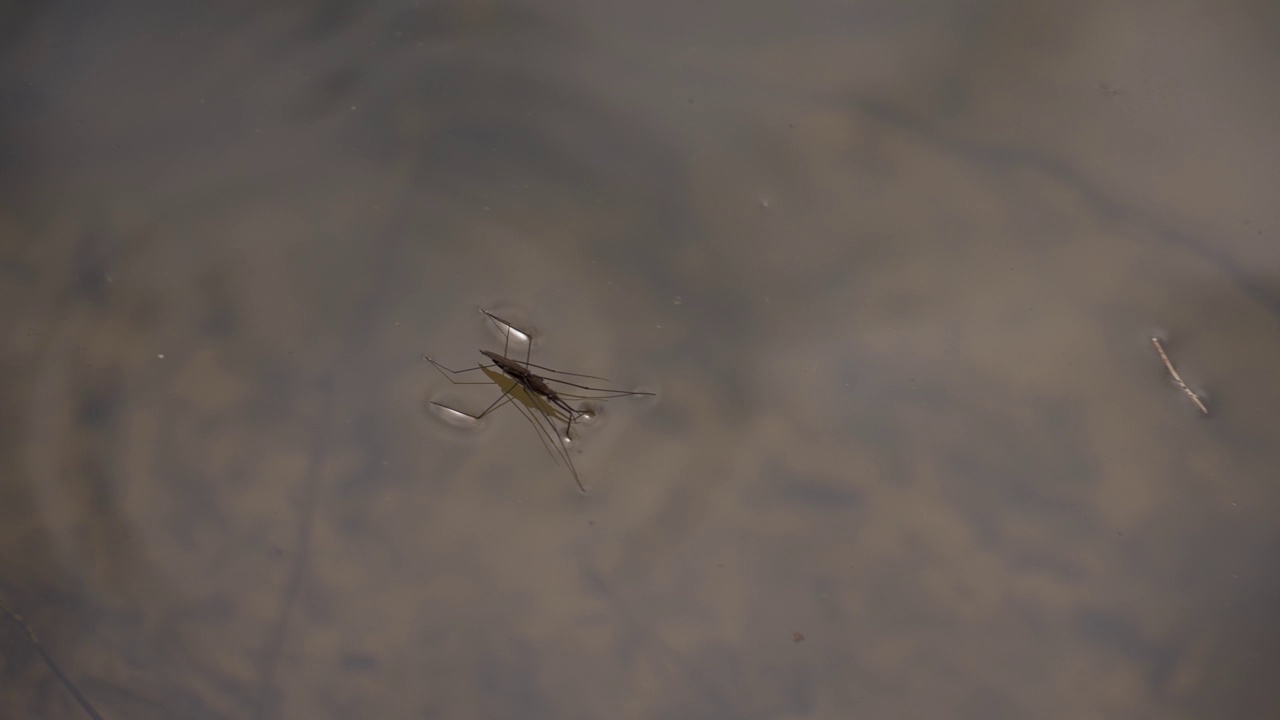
(543, 399)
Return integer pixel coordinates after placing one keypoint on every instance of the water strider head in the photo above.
(508, 366)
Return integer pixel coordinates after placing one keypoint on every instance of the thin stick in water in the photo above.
(49, 661)
(1178, 378)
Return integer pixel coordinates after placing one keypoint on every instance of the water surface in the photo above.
(892, 268)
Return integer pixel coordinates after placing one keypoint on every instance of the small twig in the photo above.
(49, 661)
(1178, 378)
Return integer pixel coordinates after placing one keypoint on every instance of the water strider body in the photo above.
(535, 388)
(533, 384)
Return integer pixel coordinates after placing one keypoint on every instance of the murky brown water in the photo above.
(893, 269)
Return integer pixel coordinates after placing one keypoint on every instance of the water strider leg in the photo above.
(549, 432)
(503, 399)
(548, 439)
(562, 372)
(507, 328)
(444, 370)
(621, 393)
(618, 394)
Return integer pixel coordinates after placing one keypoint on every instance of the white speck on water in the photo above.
(160, 356)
